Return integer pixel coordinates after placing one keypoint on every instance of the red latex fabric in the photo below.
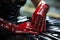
(36, 26)
(18, 29)
(38, 22)
(39, 17)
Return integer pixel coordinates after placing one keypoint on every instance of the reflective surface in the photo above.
(53, 33)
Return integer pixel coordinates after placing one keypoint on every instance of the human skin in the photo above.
(35, 2)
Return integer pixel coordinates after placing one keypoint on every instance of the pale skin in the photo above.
(35, 2)
(55, 15)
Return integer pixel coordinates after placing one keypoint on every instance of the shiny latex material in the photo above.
(36, 26)
(18, 29)
(38, 21)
